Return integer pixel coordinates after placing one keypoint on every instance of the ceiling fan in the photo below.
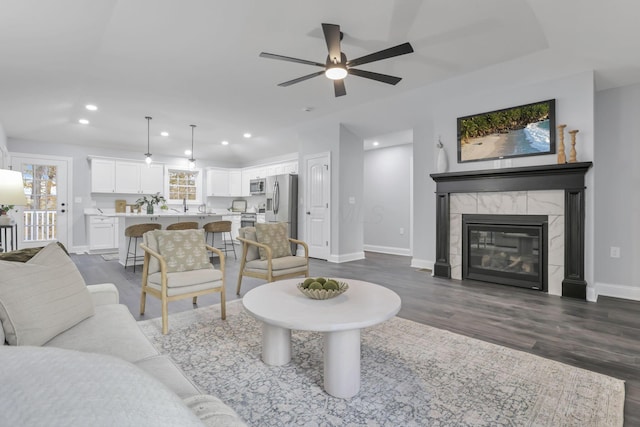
(337, 67)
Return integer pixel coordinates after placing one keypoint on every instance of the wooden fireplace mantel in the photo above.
(568, 177)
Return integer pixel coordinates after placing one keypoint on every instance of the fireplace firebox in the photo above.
(505, 249)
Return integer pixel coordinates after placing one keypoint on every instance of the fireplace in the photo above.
(506, 249)
(556, 190)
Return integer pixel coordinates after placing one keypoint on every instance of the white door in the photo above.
(317, 214)
(47, 217)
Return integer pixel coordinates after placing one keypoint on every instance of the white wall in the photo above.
(4, 151)
(617, 189)
(387, 199)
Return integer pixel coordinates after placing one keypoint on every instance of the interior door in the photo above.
(47, 217)
(317, 213)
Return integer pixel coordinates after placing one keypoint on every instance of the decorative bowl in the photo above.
(324, 293)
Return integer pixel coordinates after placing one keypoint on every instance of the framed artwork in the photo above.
(525, 130)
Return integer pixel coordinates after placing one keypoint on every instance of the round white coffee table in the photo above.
(282, 307)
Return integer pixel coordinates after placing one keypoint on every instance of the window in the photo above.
(184, 184)
(40, 182)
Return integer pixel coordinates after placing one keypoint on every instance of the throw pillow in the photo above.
(41, 298)
(249, 233)
(274, 236)
(24, 255)
(183, 249)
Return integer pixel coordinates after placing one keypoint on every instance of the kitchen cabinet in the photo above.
(218, 182)
(290, 167)
(103, 176)
(126, 177)
(139, 178)
(103, 233)
(235, 183)
(275, 169)
(224, 182)
(235, 225)
(261, 218)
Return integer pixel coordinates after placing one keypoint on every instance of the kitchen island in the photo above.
(164, 219)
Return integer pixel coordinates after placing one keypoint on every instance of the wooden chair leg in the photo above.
(223, 307)
(195, 300)
(239, 283)
(165, 317)
(143, 301)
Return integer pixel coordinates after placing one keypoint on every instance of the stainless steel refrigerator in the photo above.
(282, 202)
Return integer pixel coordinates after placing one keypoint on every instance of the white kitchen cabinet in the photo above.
(103, 233)
(103, 176)
(290, 167)
(246, 184)
(261, 218)
(275, 169)
(235, 225)
(139, 178)
(218, 182)
(235, 182)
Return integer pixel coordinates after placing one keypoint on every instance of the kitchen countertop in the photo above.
(168, 214)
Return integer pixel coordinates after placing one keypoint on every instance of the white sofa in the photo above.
(100, 371)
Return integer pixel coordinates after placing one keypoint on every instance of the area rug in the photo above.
(411, 375)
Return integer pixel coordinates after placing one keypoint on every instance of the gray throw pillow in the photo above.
(41, 298)
(274, 236)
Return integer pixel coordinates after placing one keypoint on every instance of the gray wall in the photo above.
(387, 199)
(617, 189)
(350, 193)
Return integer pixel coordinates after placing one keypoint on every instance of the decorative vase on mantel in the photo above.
(441, 164)
(149, 209)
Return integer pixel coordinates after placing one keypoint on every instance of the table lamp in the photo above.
(11, 191)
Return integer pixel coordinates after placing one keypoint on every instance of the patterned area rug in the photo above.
(412, 375)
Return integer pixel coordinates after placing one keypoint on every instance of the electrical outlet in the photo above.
(401, 230)
(614, 252)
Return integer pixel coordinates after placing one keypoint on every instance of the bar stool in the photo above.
(187, 225)
(220, 227)
(135, 232)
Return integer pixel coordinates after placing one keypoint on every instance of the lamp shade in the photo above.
(11, 188)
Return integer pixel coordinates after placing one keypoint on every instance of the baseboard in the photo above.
(79, 250)
(387, 250)
(617, 291)
(422, 263)
(346, 257)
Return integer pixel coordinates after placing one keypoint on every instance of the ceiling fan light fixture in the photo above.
(336, 72)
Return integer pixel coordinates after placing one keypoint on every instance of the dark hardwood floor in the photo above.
(603, 337)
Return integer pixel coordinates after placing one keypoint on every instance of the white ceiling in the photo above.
(196, 62)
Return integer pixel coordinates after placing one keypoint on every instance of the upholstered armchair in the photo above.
(266, 254)
(177, 266)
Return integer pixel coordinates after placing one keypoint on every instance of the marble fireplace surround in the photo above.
(553, 190)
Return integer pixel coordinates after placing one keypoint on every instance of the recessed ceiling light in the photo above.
(187, 152)
(375, 143)
(164, 133)
(246, 135)
(307, 109)
(91, 107)
(83, 121)
(225, 143)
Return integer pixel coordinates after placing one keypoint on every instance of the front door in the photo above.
(317, 212)
(46, 218)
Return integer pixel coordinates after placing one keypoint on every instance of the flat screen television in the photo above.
(525, 130)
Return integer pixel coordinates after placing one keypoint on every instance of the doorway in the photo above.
(47, 216)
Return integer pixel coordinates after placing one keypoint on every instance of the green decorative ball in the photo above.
(330, 285)
(321, 280)
(307, 282)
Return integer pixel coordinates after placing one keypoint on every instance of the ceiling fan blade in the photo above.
(384, 78)
(338, 88)
(290, 59)
(300, 79)
(332, 37)
(401, 49)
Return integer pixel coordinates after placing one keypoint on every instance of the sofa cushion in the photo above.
(274, 236)
(187, 278)
(249, 233)
(56, 387)
(41, 298)
(112, 330)
(282, 263)
(183, 249)
(165, 370)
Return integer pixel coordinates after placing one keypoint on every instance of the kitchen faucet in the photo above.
(184, 204)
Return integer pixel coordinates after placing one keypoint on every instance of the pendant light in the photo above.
(148, 153)
(192, 160)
